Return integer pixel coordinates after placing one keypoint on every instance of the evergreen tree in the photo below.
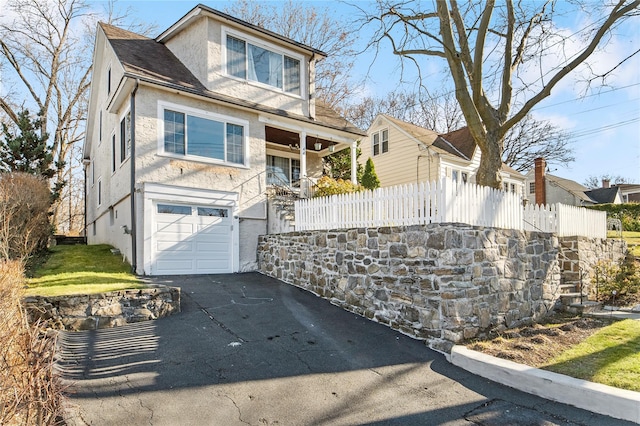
(339, 164)
(26, 149)
(370, 178)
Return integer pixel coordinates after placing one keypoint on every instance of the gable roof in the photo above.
(151, 61)
(571, 186)
(199, 8)
(462, 140)
(603, 195)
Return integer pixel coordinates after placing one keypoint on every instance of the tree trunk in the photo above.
(491, 163)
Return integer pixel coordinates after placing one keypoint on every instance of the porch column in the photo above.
(354, 163)
(303, 162)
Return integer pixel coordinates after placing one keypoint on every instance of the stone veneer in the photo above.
(104, 310)
(440, 282)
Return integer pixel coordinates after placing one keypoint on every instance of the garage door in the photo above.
(191, 239)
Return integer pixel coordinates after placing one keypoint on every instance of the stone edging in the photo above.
(104, 310)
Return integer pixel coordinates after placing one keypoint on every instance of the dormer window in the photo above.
(255, 63)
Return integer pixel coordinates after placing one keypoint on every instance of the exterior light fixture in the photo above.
(332, 148)
(317, 146)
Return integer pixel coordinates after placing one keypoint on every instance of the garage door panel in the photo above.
(174, 266)
(175, 228)
(193, 244)
(174, 246)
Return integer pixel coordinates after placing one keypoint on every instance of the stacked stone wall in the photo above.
(104, 310)
(578, 257)
(440, 282)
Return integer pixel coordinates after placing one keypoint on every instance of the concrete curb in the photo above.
(602, 399)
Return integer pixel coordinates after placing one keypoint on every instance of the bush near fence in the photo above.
(629, 214)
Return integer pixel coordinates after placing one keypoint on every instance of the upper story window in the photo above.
(125, 137)
(109, 80)
(532, 187)
(256, 63)
(193, 133)
(381, 142)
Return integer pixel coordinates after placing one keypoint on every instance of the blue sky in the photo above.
(605, 124)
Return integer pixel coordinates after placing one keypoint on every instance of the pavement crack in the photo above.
(237, 408)
(148, 409)
(215, 321)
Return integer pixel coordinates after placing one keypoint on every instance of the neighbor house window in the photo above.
(256, 63)
(282, 171)
(125, 137)
(203, 136)
(532, 187)
(381, 142)
(465, 176)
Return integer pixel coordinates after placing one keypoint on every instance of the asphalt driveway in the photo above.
(248, 349)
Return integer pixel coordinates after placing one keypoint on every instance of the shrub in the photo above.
(617, 283)
(24, 215)
(30, 392)
(629, 214)
(370, 178)
(328, 186)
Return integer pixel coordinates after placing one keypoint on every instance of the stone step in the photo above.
(567, 288)
(569, 299)
(585, 307)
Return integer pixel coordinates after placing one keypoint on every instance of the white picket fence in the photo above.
(443, 201)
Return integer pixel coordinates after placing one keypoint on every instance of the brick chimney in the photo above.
(605, 183)
(539, 171)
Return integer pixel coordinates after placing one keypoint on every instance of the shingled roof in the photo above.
(150, 61)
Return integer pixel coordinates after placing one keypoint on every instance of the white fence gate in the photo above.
(444, 201)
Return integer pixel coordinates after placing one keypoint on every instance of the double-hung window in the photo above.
(381, 142)
(196, 135)
(256, 63)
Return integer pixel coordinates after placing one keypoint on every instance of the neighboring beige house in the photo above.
(543, 188)
(185, 133)
(405, 153)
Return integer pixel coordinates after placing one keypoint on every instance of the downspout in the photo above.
(312, 115)
(86, 231)
(132, 111)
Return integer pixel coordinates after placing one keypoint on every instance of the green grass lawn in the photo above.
(611, 357)
(632, 239)
(81, 269)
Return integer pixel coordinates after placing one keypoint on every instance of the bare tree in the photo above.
(320, 29)
(594, 182)
(489, 47)
(46, 64)
(529, 139)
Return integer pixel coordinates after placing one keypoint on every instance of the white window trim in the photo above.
(119, 162)
(162, 105)
(379, 133)
(114, 164)
(304, 84)
(99, 193)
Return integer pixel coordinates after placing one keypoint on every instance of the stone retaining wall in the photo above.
(579, 255)
(438, 282)
(104, 310)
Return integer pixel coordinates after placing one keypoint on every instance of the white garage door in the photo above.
(191, 239)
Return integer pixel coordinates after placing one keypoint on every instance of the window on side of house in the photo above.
(194, 135)
(99, 192)
(125, 137)
(257, 63)
(109, 80)
(113, 153)
(376, 144)
(100, 129)
(532, 187)
(465, 176)
(385, 141)
(455, 175)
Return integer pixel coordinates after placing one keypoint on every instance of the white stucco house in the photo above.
(186, 132)
(404, 153)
